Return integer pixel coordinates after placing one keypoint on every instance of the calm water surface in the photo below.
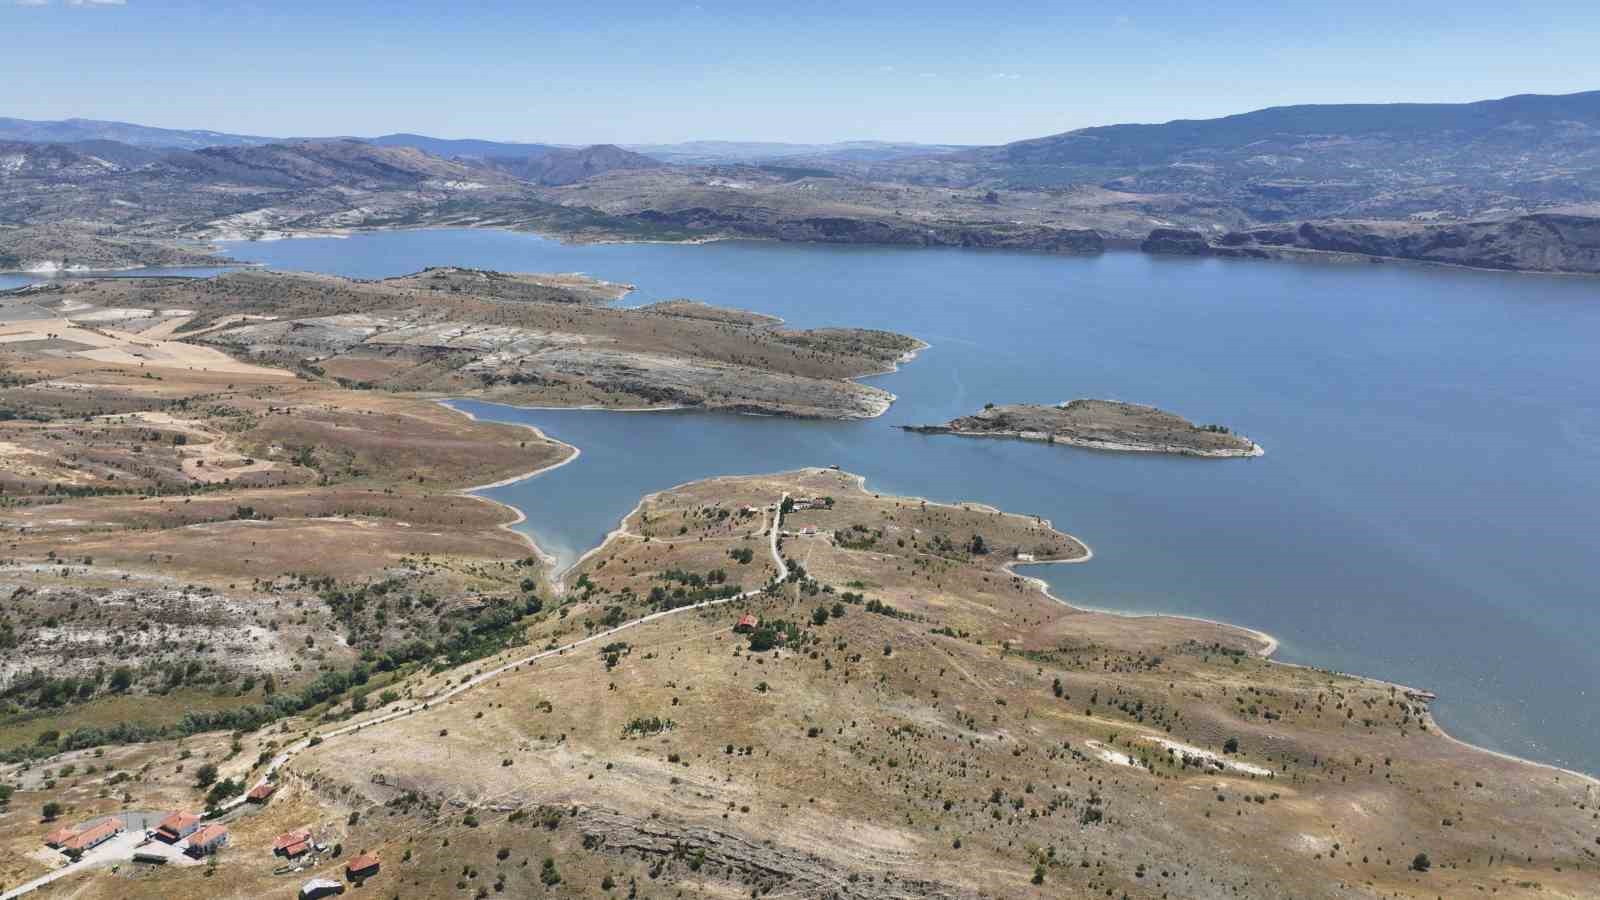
(1426, 512)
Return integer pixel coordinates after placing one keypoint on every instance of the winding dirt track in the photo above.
(92, 859)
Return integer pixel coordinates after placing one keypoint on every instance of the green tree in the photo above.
(51, 809)
(548, 873)
(121, 679)
(206, 775)
(1421, 862)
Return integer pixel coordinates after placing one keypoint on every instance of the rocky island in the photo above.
(1100, 425)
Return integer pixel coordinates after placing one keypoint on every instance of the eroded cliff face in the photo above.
(1545, 242)
(763, 223)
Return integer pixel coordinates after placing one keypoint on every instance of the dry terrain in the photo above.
(222, 503)
(526, 339)
(1100, 425)
(906, 717)
(228, 550)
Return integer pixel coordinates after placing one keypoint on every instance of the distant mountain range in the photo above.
(75, 131)
(1349, 160)
(1414, 166)
(69, 131)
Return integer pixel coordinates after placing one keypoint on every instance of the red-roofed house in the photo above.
(747, 622)
(60, 836)
(92, 837)
(177, 826)
(363, 866)
(261, 792)
(292, 843)
(209, 839)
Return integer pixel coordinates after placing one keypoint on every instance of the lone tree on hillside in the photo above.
(1421, 862)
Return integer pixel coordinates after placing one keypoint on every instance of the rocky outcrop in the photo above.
(850, 230)
(744, 861)
(1544, 242)
(1176, 241)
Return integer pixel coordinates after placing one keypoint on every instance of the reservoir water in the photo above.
(1427, 510)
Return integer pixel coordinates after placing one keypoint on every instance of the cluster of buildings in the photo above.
(185, 826)
(799, 503)
(185, 831)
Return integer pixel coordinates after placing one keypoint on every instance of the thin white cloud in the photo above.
(1004, 76)
(930, 75)
(97, 2)
(30, 2)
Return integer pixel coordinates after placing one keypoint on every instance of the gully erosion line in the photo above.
(294, 749)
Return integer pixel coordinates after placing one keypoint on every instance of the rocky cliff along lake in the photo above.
(1426, 513)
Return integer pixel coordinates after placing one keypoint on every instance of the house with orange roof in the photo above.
(207, 840)
(177, 826)
(92, 837)
(363, 866)
(292, 843)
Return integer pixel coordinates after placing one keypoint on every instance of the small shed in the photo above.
(363, 866)
(261, 792)
(208, 840)
(747, 623)
(177, 826)
(60, 836)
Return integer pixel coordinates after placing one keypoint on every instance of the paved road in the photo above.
(120, 848)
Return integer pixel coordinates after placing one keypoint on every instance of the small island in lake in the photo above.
(1099, 425)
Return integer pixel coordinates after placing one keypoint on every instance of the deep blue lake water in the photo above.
(1426, 512)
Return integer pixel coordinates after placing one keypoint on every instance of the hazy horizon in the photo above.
(633, 73)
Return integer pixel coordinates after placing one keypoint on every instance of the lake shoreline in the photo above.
(1268, 643)
(1251, 544)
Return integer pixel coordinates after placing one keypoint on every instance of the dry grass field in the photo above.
(930, 725)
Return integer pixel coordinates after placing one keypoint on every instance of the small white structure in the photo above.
(320, 887)
(1024, 557)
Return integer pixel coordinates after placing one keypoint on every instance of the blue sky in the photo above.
(956, 72)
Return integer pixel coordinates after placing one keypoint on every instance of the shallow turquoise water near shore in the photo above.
(1426, 511)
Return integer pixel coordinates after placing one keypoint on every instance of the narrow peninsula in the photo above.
(1100, 425)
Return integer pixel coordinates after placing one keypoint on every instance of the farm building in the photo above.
(320, 887)
(292, 843)
(746, 623)
(261, 792)
(208, 840)
(60, 836)
(92, 837)
(177, 826)
(363, 866)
